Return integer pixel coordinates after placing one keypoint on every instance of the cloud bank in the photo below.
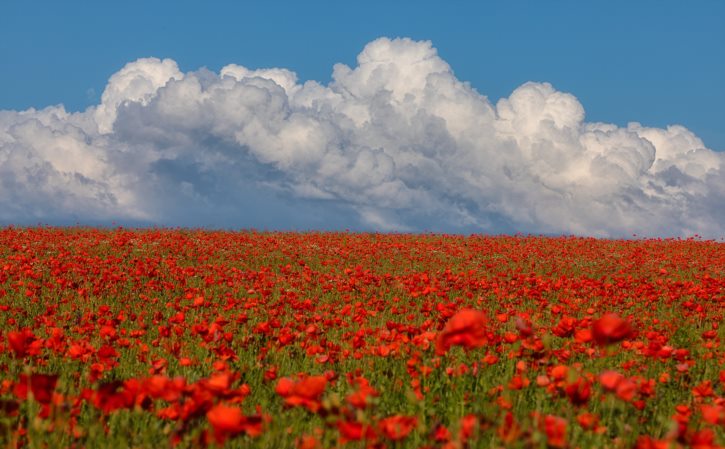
(394, 143)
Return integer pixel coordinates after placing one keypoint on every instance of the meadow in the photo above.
(195, 338)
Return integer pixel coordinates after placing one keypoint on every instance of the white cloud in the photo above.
(138, 81)
(398, 139)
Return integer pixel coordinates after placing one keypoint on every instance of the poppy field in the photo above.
(195, 338)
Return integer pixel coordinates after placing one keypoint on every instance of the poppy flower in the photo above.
(110, 396)
(646, 442)
(703, 390)
(305, 392)
(578, 391)
(610, 380)
(524, 327)
(610, 328)
(219, 382)
(354, 431)
(587, 420)
(703, 439)
(565, 327)
(19, 342)
(555, 429)
(397, 427)
(468, 427)
(308, 442)
(128, 307)
(229, 421)
(359, 398)
(509, 430)
(42, 386)
(626, 390)
(466, 328)
(713, 414)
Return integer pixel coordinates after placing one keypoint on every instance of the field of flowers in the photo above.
(193, 338)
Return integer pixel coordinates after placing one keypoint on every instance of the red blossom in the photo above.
(713, 414)
(305, 392)
(354, 431)
(117, 310)
(610, 380)
(42, 386)
(555, 429)
(578, 391)
(466, 328)
(397, 427)
(20, 342)
(610, 328)
(230, 421)
(359, 398)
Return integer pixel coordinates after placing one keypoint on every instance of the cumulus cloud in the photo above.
(395, 143)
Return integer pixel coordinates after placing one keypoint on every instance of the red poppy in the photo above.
(42, 386)
(397, 427)
(713, 414)
(610, 380)
(110, 396)
(524, 327)
(579, 391)
(588, 420)
(19, 342)
(229, 421)
(354, 431)
(646, 442)
(120, 305)
(359, 399)
(626, 390)
(703, 439)
(703, 390)
(161, 387)
(565, 327)
(559, 372)
(466, 328)
(468, 427)
(555, 429)
(509, 430)
(308, 442)
(305, 392)
(219, 382)
(610, 329)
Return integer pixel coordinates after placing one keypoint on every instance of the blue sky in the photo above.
(531, 157)
(656, 62)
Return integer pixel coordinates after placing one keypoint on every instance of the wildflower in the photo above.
(397, 427)
(229, 421)
(466, 328)
(610, 329)
(305, 392)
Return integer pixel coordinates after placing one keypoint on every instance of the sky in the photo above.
(591, 118)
